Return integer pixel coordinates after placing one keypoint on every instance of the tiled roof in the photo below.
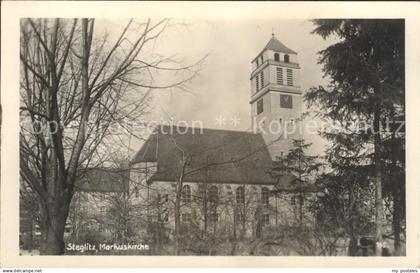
(276, 45)
(215, 156)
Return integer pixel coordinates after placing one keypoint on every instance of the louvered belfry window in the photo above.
(262, 79)
(279, 72)
(257, 83)
(289, 77)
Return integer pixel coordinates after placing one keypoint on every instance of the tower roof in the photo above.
(275, 45)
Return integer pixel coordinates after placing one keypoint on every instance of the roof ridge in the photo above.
(208, 129)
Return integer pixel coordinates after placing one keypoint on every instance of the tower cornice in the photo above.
(295, 90)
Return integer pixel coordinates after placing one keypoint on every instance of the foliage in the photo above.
(366, 91)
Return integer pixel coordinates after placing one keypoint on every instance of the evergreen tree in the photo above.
(366, 72)
(303, 166)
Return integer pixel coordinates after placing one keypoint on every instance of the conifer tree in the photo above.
(366, 72)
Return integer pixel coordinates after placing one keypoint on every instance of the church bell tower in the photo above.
(276, 98)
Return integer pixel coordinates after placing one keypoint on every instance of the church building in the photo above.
(230, 180)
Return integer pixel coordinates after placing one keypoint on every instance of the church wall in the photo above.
(279, 208)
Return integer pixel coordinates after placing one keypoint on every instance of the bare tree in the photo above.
(75, 86)
(187, 169)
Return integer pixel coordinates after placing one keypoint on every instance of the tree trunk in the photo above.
(53, 221)
(301, 207)
(177, 219)
(205, 207)
(378, 184)
(235, 222)
(352, 211)
(31, 234)
(396, 219)
(397, 204)
(178, 207)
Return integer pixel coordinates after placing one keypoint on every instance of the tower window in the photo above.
(289, 77)
(260, 106)
(286, 101)
(276, 57)
(258, 64)
(262, 79)
(286, 58)
(262, 59)
(280, 157)
(257, 83)
(279, 72)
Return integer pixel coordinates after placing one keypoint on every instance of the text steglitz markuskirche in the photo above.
(105, 247)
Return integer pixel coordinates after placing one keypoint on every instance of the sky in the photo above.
(222, 88)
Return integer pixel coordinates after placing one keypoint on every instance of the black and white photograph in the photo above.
(159, 136)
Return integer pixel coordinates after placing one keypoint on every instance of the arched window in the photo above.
(240, 195)
(293, 200)
(276, 57)
(186, 192)
(213, 217)
(213, 194)
(286, 58)
(265, 196)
